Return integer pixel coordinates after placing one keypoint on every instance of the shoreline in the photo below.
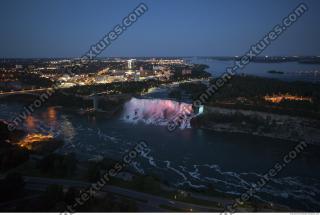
(281, 127)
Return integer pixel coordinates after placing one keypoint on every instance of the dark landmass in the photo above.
(275, 72)
(262, 107)
(11, 155)
(248, 93)
(271, 59)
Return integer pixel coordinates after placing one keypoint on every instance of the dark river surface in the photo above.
(188, 157)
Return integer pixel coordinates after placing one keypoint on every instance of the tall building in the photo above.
(130, 63)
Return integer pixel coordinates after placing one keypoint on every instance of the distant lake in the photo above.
(293, 71)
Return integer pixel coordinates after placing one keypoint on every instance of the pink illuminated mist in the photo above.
(155, 111)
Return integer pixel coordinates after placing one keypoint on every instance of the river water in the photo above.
(186, 157)
(292, 71)
(189, 157)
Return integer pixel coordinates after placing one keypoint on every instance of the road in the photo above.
(24, 91)
(152, 202)
(45, 89)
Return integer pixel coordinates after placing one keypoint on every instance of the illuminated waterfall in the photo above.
(156, 111)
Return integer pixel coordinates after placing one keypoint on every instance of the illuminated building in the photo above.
(31, 139)
(280, 98)
(130, 63)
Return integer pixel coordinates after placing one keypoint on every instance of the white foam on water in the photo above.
(234, 183)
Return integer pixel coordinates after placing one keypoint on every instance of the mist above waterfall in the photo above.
(155, 111)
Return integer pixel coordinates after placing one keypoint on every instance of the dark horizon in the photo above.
(168, 56)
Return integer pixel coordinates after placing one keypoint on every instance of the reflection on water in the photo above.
(185, 158)
(156, 111)
(49, 123)
(49, 116)
(52, 115)
(30, 122)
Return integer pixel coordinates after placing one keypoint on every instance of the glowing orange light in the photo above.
(32, 138)
(31, 122)
(52, 115)
(280, 98)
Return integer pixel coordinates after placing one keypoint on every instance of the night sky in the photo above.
(67, 28)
